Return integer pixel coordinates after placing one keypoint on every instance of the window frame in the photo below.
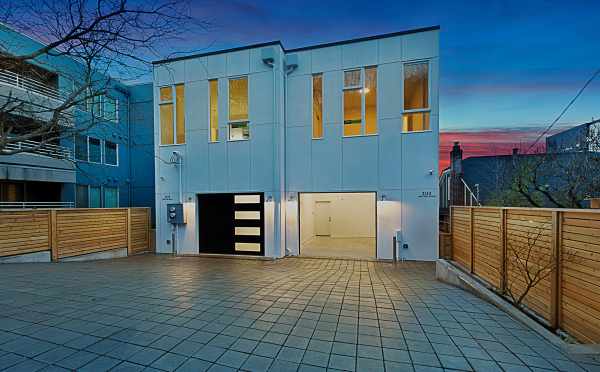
(87, 147)
(104, 153)
(312, 106)
(87, 195)
(103, 195)
(216, 81)
(363, 108)
(99, 187)
(115, 119)
(101, 152)
(173, 103)
(242, 121)
(420, 110)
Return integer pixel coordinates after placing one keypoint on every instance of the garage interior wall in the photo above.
(352, 215)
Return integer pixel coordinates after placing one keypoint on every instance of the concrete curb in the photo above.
(448, 273)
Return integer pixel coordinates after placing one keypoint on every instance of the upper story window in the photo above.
(317, 106)
(360, 101)
(111, 156)
(416, 97)
(213, 87)
(172, 115)
(81, 148)
(238, 109)
(102, 106)
(111, 109)
(94, 150)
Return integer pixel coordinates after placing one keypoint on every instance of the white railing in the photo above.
(473, 199)
(46, 149)
(35, 205)
(21, 81)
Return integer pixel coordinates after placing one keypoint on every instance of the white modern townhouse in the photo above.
(325, 150)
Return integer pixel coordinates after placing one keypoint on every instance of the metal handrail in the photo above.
(21, 81)
(35, 205)
(471, 194)
(46, 149)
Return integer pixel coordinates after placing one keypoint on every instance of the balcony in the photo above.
(33, 147)
(13, 79)
(35, 205)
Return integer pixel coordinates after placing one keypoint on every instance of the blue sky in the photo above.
(505, 64)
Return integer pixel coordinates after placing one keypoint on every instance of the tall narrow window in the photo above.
(238, 109)
(317, 106)
(110, 109)
(81, 147)
(360, 101)
(352, 103)
(416, 97)
(95, 199)
(213, 86)
(95, 150)
(370, 92)
(180, 113)
(81, 196)
(111, 197)
(166, 116)
(110, 153)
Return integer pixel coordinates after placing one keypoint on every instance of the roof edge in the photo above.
(220, 51)
(293, 50)
(365, 38)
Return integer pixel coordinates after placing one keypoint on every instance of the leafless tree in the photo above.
(531, 262)
(87, 40)
(559, 179)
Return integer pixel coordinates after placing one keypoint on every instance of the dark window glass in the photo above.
(81, 195)
(81, 149)
(95, 150)
(110, 153)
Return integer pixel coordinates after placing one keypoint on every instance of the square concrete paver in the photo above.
(159, 313)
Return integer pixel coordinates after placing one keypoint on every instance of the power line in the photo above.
(588, 82)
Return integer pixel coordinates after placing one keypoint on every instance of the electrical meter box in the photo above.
(175, 213)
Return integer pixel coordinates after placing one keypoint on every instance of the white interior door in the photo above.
(322, 218)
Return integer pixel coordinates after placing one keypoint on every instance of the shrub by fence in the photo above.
(494, 243)
(73, 232)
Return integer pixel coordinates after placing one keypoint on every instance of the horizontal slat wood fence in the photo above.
(74, 232)
(491, 243)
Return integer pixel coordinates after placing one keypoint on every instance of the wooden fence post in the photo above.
(472, 243)
(53, 236)
(129, 247)
(503, 250)
(555, 278)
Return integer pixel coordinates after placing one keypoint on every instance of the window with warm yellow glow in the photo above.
(360, 101)
(352, 112)
(238, 109)
(416, 86)
(166, 116)
(415, 121)
(416, 97)
(370, 92)
(317, 106)
(214, 110)
(180, 112)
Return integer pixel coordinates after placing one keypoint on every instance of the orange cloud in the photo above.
(488, 142)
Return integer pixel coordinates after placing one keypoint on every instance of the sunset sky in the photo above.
(507, 67)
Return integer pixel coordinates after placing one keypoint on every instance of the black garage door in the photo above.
(231, 223)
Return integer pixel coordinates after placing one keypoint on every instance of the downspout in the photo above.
(130, 149)
(177, 160)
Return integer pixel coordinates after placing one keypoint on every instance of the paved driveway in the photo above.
(194, 314)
